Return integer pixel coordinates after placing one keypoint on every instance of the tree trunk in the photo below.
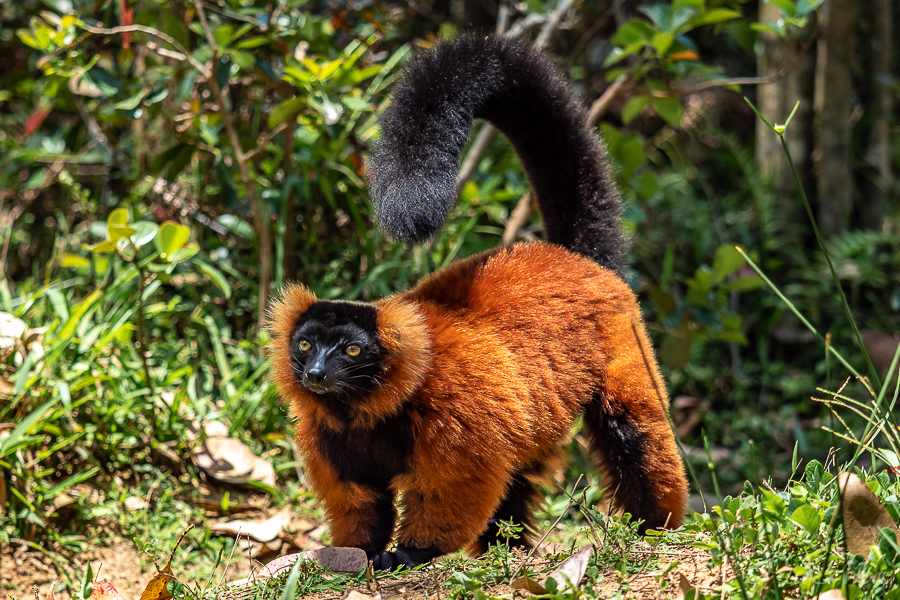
(877, 179)
(834, 99)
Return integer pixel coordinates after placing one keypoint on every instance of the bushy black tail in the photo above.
(414, 168)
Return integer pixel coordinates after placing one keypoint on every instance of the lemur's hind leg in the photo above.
(630, 434)
(522, 497)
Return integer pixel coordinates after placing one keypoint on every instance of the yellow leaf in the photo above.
(156, 589)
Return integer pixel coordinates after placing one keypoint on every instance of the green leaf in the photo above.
(631, 154)
(354, 103)
(78, 312)
(172, 237)
(105, 82)
(87, 586)
(773, 503)
(104, 247)
(890, 457)
(633, 108)
(727, 260)
(223, 34)
(786, 6)
(286, 110)
(171, 24)
(144, 232)
(215, 276)
(24, 427)
(209, 133)
(662, 42)
(808, 518)
(118, 232)
(245, 60)
(73, 261)
(184, 253)
(744, 284)
(69, 482)
(58, 301)
(669, 109)
(253, 42)
(28, 39)
(290, 588)
(130, 103)
(65, 395)
(715, 15)
(117, 217)
(635, 30)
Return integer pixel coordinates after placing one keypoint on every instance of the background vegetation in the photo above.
(247, 125)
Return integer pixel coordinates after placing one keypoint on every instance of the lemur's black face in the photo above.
(335, 350)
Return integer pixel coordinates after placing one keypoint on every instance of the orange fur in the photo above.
(492, 360)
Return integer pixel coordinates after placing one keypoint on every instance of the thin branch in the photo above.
(482, 140)
(151, 32)
(264, 140)
(553, 19)
(259, 217)
(601, 105)
(518, 217)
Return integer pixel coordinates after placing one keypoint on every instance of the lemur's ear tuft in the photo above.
(284, 311)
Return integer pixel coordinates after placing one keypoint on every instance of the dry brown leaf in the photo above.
(260, 530)
(61, 501)
(6, 386)
(527, 584)
(50, 594)
(134, 504)
(318, 532)
(864, 516)
(103, 590)
(830, 595)
(156, 589)
(570, 571)
(684, 588)
(215, 429)
(11, 331)
(232, 461)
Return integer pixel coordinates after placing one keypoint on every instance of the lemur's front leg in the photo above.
(360, 515)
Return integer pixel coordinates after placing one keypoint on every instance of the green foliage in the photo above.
(779, 540)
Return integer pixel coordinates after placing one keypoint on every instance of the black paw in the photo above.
(384, 561)
(403, 557)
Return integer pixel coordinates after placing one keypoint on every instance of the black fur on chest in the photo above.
(372, 456)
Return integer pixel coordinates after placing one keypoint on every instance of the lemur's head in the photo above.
(336, 352)
(347, 362)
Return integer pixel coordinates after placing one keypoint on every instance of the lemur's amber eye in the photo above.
(353, 350)
(304, 345)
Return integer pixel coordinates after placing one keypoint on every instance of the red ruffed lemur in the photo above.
(452, 400)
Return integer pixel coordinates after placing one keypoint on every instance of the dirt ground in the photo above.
(22, 569)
